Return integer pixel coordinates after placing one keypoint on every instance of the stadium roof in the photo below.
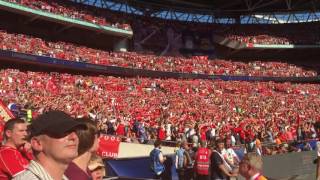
(218, 11)
(241, 6)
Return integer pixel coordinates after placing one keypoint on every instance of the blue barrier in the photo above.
(313, 144)
(137, 167)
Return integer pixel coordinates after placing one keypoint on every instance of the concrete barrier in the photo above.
(296, 165)
(290, 166)
(130, 150)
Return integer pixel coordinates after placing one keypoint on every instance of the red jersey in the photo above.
(161, 134)
(11, 162)
(120, 130)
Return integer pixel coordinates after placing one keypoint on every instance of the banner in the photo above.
(5, 113)
(109, 146)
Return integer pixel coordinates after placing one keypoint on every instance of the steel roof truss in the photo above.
(288, 2)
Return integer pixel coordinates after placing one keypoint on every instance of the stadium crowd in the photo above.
(273, 34)
(198, 64)
(260, 39)
(148, 108)
(74, 11)
(142, 109)
(269, 34)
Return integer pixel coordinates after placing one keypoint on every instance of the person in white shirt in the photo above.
(230, 156)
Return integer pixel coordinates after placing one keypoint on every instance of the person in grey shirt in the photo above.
(54, 144)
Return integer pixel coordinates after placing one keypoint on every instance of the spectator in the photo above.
(88, 145)
(96, 168)
(183, 162)
(230, 156)
(54, 143)
(13, 160)
(157, 161)
(220, 170)
(251, 167)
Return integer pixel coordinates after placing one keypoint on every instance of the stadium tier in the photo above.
(198, 64)
(71, 10)
(258, 34)
(226, 105)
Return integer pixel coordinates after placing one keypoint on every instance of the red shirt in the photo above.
(11, 162)
(161, 134)
(75, 172)
(120, 130)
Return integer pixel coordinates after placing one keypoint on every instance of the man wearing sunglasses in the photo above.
(54, 144)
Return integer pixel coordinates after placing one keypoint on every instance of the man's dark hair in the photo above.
(220, 140)
(157, 143)
(317, 125)
(9, 125)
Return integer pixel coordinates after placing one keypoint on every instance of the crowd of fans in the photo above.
(200, 65)
(299, 34)
(269, 34)
(147, 109)
(261, 39)
(144, 109)
(74, 11)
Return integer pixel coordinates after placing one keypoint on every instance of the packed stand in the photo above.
(148, 108)
(74, 11)
(261, 39)
(197, 64)
(273, 34)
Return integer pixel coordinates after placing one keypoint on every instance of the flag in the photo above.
(5, 113)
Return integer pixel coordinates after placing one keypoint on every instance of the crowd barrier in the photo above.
(137, 167)
(298, 165)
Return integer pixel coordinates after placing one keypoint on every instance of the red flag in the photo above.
(108, 146)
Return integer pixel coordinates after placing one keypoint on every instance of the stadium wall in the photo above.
(298, 166)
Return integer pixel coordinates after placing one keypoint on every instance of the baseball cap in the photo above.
(54, 123)
(94, 165)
